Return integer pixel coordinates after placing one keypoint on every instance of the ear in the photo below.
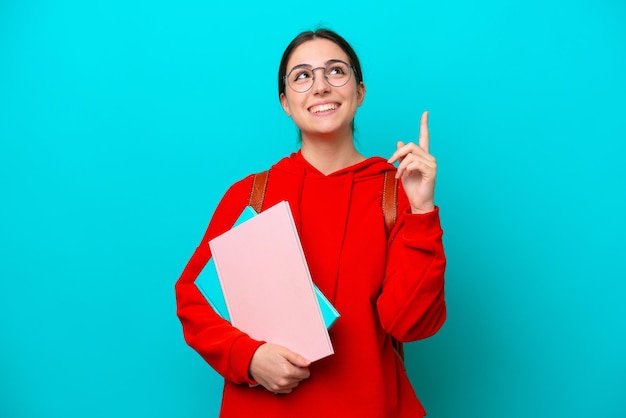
(285, 104)
(360, 93)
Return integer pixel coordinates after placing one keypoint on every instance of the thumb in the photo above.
(296, 359)
(396, 156)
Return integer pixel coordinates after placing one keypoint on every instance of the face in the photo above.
(323, 110)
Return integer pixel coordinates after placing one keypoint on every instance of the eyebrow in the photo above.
(332, 61)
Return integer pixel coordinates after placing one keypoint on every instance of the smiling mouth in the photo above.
(323, 108)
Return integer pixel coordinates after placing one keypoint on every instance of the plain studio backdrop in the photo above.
(122, 123)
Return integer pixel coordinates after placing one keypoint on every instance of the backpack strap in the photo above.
(389, 207)
(257, 193)
(390, 213)
(390, 201)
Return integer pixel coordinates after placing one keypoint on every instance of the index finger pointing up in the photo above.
(424, 139)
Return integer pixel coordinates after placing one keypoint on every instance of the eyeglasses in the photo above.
(337, 73)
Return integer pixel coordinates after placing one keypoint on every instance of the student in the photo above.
(385, 286)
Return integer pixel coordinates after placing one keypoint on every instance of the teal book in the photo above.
(209, 285)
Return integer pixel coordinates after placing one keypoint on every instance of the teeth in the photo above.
(323, 108)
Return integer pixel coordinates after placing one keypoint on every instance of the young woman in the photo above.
(385, 286)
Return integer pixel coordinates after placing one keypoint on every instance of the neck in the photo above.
(330, 155)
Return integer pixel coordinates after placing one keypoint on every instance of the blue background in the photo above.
(122, 124)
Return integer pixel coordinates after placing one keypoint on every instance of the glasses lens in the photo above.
(300, 79)
(338, 73)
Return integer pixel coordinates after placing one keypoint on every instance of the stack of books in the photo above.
(258, 279)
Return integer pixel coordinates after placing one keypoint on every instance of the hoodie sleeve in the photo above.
(411, 305)
(228, 350)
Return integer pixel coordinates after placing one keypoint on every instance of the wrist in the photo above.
(422, 209)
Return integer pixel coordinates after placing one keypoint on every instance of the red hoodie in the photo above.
(382, 287)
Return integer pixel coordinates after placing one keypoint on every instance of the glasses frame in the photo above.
(325, 67)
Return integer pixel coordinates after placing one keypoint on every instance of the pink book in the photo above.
(267, 285)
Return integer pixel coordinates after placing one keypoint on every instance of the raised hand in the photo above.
(417, 170)
(278, 369)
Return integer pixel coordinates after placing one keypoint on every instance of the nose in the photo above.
(320, 84)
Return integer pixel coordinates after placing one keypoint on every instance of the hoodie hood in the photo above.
(300, 174)
(296, 164)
